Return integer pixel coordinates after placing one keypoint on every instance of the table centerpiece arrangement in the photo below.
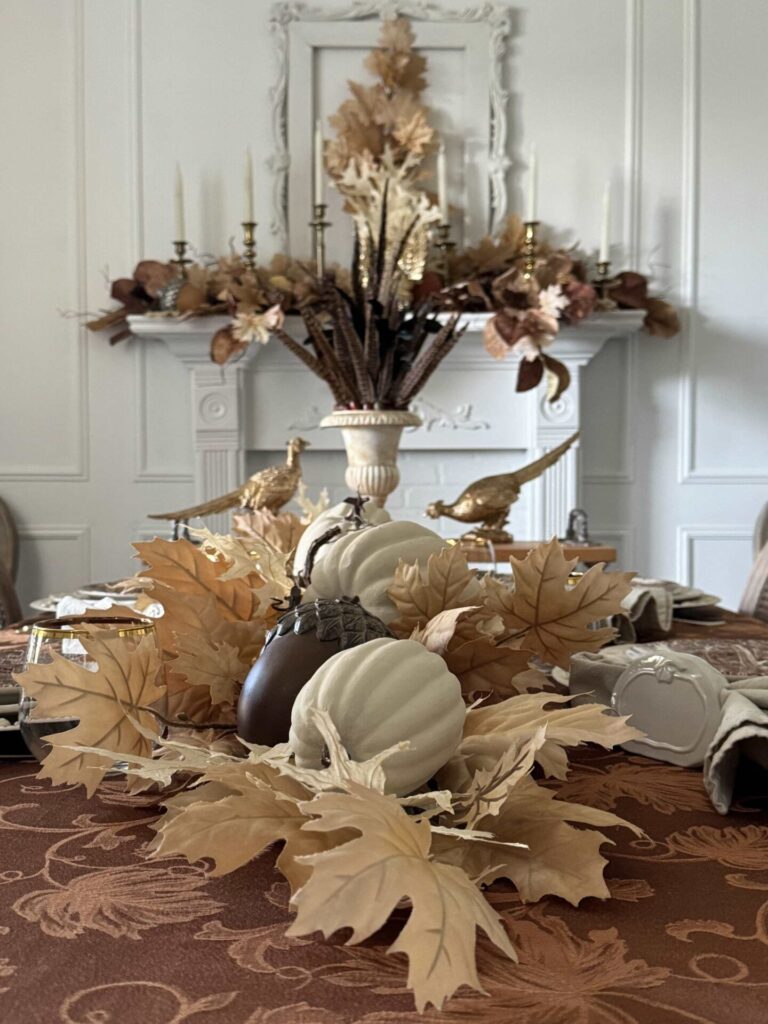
(368, 702)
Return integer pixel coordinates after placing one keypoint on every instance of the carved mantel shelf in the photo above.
(470, 404)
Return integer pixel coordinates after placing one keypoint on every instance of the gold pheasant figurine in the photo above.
(489, 500)
(270, 488)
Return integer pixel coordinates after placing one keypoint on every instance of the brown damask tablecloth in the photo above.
(91, 932)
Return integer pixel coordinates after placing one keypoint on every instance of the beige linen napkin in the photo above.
(741, 733)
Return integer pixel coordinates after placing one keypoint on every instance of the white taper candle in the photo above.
(605, 232)
(248, 187)
(178, 196)
(318, 162)
(442, 184)
(533, 185)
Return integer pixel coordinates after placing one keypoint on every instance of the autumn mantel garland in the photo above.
(350, 851)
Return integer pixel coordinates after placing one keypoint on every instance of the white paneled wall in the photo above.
(98, 100)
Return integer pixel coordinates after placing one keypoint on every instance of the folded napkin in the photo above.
(651, 605)
(737, 728)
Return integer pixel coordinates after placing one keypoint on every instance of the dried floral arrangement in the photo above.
(382, 138)
(354, 845)
(529, 310)
(371, 350)
(386, 123)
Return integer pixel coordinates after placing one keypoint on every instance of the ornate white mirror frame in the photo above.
(478, 147)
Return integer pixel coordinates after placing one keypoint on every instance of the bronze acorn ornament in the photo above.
(303, 639)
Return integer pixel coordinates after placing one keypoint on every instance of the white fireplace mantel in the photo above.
(469, 405)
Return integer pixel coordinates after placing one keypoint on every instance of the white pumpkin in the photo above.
(363, 563)
(335, 516)
(377, 695)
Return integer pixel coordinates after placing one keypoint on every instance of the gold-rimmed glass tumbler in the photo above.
(64, 636)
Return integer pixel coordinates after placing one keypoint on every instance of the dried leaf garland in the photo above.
(483, 667)
(107, 703)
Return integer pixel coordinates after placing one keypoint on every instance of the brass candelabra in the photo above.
(249, 244)
(602, 281)
(318, 225)
(446, 247)
(181, 261)
(530, 249)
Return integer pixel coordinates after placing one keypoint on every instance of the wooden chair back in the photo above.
(760, 536)
(754, 601)
(10, 609)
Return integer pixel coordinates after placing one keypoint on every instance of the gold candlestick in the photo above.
(181, 260)
(249, 244)
(602, 280)
(318, 225)
(530, 248)
(446, 247)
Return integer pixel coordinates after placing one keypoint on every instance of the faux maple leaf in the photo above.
(483, 667)
(421, 593)
(359, 883)
(281, 532)
(230, 829)
(559, 860)
(555, 618)
(246, 557)
(488, 731)
(196, 600)
(110, 704)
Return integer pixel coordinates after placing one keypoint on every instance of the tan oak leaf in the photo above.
(360, 882)
(554, 617)
(110, 704)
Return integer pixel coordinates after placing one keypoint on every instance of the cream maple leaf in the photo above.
(360, 882)
(488, 732)
(108, 703)
(553, 617)
(559, 860)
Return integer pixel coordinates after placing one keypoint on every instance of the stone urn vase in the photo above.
(372, 439)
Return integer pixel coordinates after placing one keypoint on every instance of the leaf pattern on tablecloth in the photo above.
(745, 848)
(6, 970)
(663, 787)
(682, 941)
(121, 901)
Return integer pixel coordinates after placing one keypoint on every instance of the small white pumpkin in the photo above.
(363, 563)
(335, 516)
(379, 694)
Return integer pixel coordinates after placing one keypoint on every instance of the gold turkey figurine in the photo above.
(489, 500)
(270, 488)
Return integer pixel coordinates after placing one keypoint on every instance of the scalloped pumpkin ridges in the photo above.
(378, 694)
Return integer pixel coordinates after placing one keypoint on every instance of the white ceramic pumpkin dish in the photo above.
(377, 695)
(363, 563)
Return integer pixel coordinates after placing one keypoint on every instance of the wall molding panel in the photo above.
(689, 536)
(116, 90)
